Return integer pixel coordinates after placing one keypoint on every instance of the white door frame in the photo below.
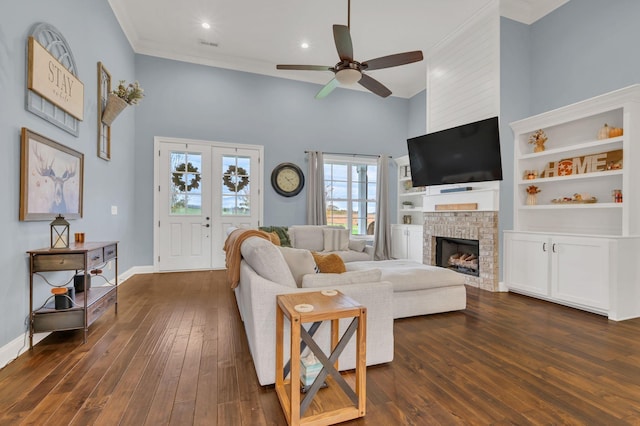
(157, 141)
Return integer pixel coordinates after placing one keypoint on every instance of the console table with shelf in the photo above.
(572, 252)
(87, 305)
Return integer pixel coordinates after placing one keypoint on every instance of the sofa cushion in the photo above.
(328, 280)
(308, 237)
(329, 263)
(300, 262)
(267, 261)
(407, 275)
(335, 239)
(353, 256)
(357, 245)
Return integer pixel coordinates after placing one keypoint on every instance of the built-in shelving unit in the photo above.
(406, 235)
(581, 251)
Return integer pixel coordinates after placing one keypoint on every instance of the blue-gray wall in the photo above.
(94, 35)
(417, 116)
(199, 102)
(583, 49)
(515, 75)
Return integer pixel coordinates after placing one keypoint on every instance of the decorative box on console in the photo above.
(78, 282)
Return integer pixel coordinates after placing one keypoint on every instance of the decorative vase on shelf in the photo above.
(532, 199)
(115, 105)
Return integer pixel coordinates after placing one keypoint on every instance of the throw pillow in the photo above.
(267, 261)
(329, 263)
(335, 239)
(357, 245)
(351, 277)
(308, 237)
(300, 262)
(282, 232)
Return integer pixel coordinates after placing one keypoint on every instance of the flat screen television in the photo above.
(462, 154)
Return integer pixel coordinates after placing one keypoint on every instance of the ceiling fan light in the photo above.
(348, 76)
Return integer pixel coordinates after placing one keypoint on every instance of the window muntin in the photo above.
(350, 192)
(186, 183)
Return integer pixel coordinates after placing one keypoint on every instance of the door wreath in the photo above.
(179, 181)
(235, 178)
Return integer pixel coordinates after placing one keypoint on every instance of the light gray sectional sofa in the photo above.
(264, 273)
(388, 289)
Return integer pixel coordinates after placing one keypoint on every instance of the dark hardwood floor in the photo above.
(176, 354)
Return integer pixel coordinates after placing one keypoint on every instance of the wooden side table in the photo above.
(339, 402)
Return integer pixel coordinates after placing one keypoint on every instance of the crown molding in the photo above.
(528, 11)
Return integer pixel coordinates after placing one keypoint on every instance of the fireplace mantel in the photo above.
(485, 194)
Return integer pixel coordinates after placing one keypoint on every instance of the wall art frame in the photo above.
(104, 130)
(51, 179)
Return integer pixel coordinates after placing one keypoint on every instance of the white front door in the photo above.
(202, 190)
(236, 202)
(185, 207)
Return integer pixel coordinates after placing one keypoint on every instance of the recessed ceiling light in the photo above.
(206, 25)
(304, 45)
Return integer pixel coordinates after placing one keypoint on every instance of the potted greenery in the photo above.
(120, 98)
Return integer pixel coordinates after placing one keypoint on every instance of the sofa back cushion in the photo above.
(352, 277)
(308, 237)
(267, 260)
(300, 262)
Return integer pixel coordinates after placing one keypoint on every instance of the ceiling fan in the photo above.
(349, 71)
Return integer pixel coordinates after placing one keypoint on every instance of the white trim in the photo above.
(528, 11)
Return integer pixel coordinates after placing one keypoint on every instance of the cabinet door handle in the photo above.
(207, 225)
(544, 247)
(553, 247)
(95, 257)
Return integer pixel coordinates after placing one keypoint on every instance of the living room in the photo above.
(578, 51)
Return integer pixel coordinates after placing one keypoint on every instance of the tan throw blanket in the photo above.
(232, 252)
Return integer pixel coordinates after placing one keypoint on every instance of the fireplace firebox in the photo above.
(459, 254)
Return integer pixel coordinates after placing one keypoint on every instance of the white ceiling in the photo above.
(255, 35)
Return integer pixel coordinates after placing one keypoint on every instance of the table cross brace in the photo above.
(327, 366)
(303, 346)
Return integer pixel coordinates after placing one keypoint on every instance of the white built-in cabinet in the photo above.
(406, 242)
(406, 236)
(581, 254)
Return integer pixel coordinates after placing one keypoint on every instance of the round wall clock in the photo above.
(287, 179)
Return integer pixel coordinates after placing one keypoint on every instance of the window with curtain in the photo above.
(350, 192)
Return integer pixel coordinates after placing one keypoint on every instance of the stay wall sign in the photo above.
(53, 90)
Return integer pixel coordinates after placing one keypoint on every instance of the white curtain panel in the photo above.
(316, 205)
(382, 233)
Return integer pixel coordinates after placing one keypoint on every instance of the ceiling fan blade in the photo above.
(374, 85)
(393, 60)
(328, 88)
(305, 67)
(342, 38)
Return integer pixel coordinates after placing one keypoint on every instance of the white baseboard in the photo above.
(12, 350)
(502, 287)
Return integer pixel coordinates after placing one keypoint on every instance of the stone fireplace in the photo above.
(480, 226)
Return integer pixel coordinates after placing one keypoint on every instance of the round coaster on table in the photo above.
(303, 307)
(329, 292)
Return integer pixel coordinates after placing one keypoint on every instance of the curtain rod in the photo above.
(350, 154)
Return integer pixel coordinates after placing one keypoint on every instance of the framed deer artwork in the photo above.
(51, 179)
